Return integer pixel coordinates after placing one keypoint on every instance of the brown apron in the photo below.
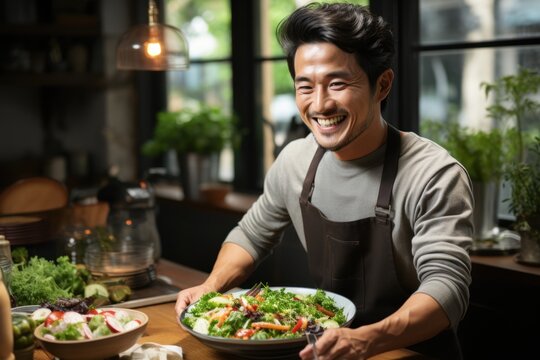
(356, 258)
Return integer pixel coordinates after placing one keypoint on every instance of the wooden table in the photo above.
(163, 329)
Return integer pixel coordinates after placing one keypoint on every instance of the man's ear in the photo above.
(384, 84)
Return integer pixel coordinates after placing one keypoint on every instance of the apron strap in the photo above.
(383, 209)
(309, 181)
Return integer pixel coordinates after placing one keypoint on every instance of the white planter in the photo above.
(486, 196)
(195, 170)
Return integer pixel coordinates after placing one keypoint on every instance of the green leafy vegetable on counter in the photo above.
(19, 255)
(42, 280)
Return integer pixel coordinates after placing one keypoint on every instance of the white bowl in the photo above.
(271, 348)
(100, 348)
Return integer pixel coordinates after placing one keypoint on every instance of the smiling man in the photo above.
(384, 215)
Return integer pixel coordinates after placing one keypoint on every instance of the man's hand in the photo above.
(342, 343)
(190, 295)
(419, 319)
(233, 265)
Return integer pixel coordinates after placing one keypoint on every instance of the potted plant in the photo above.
(483, 154)
(198, 135)
(524, 202)
(515, 103)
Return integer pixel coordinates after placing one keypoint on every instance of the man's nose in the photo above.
(323, 102)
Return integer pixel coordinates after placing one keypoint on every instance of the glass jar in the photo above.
(74, 241)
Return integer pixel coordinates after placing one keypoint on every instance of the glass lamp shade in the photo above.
(153, 47)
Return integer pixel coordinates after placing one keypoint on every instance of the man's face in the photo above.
(333, 94)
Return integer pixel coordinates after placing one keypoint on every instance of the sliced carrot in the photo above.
(269, 325)
(223, 317)
(325, 311)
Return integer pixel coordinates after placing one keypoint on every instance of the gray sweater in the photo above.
(432, 202)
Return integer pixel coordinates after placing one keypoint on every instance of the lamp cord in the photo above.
(152, 12)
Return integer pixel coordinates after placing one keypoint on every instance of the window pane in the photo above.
(450, 82)
(273, 11)
(477, 20)
(209, 83)
(450, 90)
(279, 106)
(206, 23)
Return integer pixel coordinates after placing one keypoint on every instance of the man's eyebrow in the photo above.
(301, 78)
(333, 74)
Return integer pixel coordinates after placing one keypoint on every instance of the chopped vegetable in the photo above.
(269, 325)
(270, 314)
(95, 289)
(40, 315)
(74, 326)
(53, 317)
(119, 293)
(113, 324)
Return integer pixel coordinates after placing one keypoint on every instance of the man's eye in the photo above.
(303, 88)
(337, 85)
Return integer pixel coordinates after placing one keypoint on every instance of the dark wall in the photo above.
(192, 234)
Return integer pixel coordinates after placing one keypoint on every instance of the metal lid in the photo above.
(128, 194)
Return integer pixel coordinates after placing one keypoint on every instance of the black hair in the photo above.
(352, 28)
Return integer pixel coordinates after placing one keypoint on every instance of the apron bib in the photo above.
(356, 258)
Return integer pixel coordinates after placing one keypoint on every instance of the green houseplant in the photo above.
(524, 202)
(202, 130)
(197, 135)
(516, 104)
(513, 103)
(484, 155)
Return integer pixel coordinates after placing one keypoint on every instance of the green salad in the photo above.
(271, 314)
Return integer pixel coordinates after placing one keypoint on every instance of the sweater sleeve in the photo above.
(443, 234)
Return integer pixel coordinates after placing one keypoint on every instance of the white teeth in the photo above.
(331, 121)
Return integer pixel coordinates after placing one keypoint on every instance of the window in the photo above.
(494, 39)
(206, 24)
(463, 43)
(218, 67)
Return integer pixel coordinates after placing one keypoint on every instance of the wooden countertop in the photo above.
(163, 328)
(504, 268)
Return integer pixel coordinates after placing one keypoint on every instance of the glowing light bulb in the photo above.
(152, 48)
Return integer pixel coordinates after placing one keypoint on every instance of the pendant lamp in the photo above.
(152, 47)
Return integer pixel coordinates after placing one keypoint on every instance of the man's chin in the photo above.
(329, 145)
